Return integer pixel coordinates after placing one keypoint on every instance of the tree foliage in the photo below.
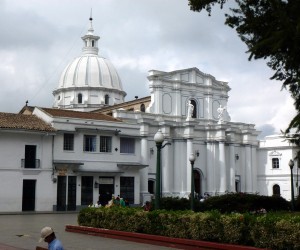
(271, 31)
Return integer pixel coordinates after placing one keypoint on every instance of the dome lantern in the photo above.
(90, 41)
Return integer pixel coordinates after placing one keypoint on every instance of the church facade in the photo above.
(91, 144)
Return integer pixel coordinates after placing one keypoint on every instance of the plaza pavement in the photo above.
(22, 231)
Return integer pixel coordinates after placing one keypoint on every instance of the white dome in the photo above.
(90, 70)
(89, 82)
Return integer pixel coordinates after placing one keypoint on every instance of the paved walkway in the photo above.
(23, 232)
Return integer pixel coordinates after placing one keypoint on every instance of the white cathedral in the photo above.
(92, 144)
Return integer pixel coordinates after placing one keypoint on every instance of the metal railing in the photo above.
(30, 163)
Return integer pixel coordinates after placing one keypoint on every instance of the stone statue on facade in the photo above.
(190, 110)
(221, 111)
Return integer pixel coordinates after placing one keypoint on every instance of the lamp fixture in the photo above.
(96, 184)
(117, 132)
(237, 157)
(151, 151)
(197, 153)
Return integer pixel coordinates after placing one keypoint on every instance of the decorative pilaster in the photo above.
(248, 171)
(222, 167)
(189, 150)
(232, 168)
(167, 170)
(254, 169)
(210, 168)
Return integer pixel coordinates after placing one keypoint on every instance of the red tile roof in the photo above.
(78, 114)
(24, 122)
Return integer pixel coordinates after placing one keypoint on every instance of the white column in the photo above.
(158, 99)
(254, 170)
(222, 167)
(232, 168)
(189, 150)
(248, 172)
(179, 161)
(144, 171)
(210, 170)
(178, 106)
(208, 106)
(167, 170)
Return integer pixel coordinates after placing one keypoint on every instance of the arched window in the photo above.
(79, 98)
(106, 99)
(275, 163)
(93, 43)
(143, 107)
(195, 109)
(276, 190)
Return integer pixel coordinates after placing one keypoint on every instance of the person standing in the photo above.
(48, 235)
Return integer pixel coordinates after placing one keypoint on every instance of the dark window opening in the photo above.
(30, 157)
(105, 143)
(127, 145)
(79, 98)
(89, 143)
(69, 142)
(106, 101)
(275, 163)
(143, 107)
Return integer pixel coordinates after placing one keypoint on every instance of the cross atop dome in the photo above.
(91, 29)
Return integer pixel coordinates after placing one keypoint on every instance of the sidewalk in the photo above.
(22, 232)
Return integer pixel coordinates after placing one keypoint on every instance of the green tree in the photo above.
(271, 31)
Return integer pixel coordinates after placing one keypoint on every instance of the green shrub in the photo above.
(274, 230)
(242, 203)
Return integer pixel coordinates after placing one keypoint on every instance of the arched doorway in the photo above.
(276, 190)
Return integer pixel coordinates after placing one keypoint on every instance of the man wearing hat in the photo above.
(48, 235)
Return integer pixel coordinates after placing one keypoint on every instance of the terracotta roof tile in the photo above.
(123, 104)
(25, 122)
(79, 114)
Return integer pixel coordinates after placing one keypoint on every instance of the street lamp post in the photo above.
(192, 160)
(158, 138)
(291, 164)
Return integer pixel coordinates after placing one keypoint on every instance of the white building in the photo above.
(92, 145)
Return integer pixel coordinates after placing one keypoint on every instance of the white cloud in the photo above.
(39, 38)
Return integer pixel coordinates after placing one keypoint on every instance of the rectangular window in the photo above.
(105, 143)
(69, 142)
(89, 143)
(275, 163)
(86, 190)
(127, 145)
(30, 157)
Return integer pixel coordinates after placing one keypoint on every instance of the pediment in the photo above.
(275, 153)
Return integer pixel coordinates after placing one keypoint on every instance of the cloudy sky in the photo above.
(39, 38)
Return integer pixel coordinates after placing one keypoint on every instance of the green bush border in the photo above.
(275, 230)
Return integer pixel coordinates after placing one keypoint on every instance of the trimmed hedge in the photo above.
(228, 203)
(272, 230)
